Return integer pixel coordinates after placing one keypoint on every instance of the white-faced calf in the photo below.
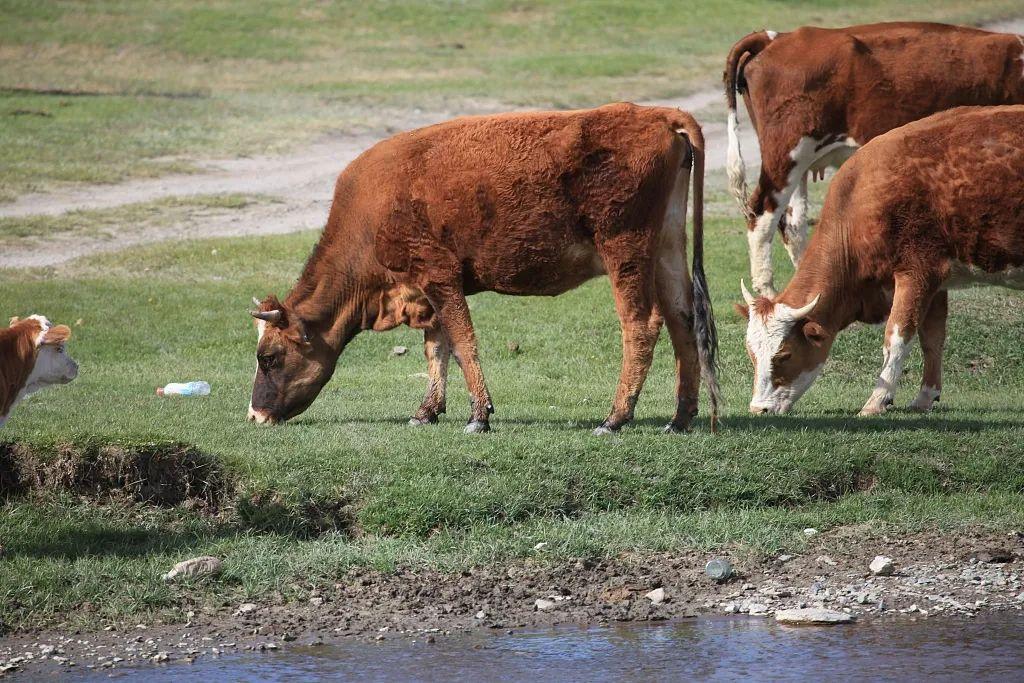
(32, 357)
(932, 205)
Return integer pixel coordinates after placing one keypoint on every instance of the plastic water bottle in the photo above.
(184, 389)
(718, 569)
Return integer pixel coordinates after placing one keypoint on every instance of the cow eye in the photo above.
(266, 361)
(783, 356)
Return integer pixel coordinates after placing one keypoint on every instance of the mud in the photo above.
(962, 573)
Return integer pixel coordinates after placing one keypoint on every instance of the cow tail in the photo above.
(703, 315)
(735, 167)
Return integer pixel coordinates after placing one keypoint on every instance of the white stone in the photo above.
(882, 566)
(812, 615)
(810, 532)
(197, 566)
(656, 596)
(543, 605)
(247, 608)
(399, 351)
(731, 608)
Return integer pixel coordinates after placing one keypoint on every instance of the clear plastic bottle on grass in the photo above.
(184, 389)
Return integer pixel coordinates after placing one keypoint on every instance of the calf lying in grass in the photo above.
(32, 357)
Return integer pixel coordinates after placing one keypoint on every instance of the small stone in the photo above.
(656, 596)
(812, 615)
(882, 566)
(316, 601)
(783, 559)
(513, 348)
(399, 351)
(543, 605)
(718, 569)
(481, 614)
(540, 546)
(196, 567)
(731, 608)
(247, 608)
(809, 532)
(757, 609)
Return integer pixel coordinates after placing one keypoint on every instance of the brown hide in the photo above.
(17, 358)
(522, 204)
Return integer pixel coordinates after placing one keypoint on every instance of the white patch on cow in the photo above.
(735, 167)
(53, 366)
(772, 35)
(759, 242)
(796, 222)
(671, 272)
(963, 274)
(1021, 39)
(764, 339)
(257, 416)
(893, 356)
(925, 398)
(44, 323)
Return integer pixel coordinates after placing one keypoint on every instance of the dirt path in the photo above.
(300, 183)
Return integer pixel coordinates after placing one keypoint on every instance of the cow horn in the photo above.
(271, 317)
(257, 301)
(798, 313)
(747, 296)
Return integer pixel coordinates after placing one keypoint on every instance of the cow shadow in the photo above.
(136, 541)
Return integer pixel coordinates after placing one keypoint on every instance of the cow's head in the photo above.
(293, 363)
(787, 348)
(52, 364)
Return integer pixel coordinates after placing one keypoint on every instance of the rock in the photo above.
(783, 559)
(481, 614)
(247, 608)
(543, 605)
(718, 569)
(196, 567)
(882, 566)
(811, 616)
(731, 608)
(756, 609)
(513, 348)
(809, 532)
(316, 601)
(540, 546)
(399, 351)
(656, 596)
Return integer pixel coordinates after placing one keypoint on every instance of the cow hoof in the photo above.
(674, 429)
(421, 421)
(477, 427)
(871, 411)
(604, 431)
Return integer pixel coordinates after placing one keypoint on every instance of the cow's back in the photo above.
(510, 196)
(947, 186)
(865, 80)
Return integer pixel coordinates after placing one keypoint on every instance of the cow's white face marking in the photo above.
(53, 366)
(759, 241)
(771, 34)
(765, 337)
(44, 323)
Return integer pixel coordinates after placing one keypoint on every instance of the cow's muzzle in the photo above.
(261, 417)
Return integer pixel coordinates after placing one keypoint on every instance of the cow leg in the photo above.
(437, 351)
(632, 287)
(449, 302)
(767, 208)
(675, 303)
(909, 300)
(796, 222)
(933, 338)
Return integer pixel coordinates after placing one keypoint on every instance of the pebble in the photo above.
(247, 608)
(882, 566)
(718, 569)
(543, 605)
(809, 532)
(316, 601)
(399, 351)
(656, 596)
(731, 608)
(197, 566)
(812, 615)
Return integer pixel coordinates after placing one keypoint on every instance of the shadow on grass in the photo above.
(73, 544)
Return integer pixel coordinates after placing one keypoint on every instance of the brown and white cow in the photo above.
(932, 205)
(32, 357)
(815, 95)
(522, 204)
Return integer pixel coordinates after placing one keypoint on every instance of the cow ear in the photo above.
(815, 333)
(743, 310)
(56, 335)
(14, 321)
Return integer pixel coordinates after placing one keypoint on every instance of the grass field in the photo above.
(350, 482)
(105, 90)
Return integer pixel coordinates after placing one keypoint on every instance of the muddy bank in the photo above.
(936, 575)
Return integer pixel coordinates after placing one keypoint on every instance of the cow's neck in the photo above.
(338, 293)
(827, 273)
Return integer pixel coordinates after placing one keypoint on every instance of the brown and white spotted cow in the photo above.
(815, 95)
(32, 357)
(523, 204)
(926, 207)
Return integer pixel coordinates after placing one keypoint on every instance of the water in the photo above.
(989, 648)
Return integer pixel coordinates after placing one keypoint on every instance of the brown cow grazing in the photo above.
(32, 357)
(932, 205)
(526, 204)
(815, 95)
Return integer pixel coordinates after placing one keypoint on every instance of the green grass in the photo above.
(436, 496)
(168, 82)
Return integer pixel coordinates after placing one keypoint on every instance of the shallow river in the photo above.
(989, 648)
